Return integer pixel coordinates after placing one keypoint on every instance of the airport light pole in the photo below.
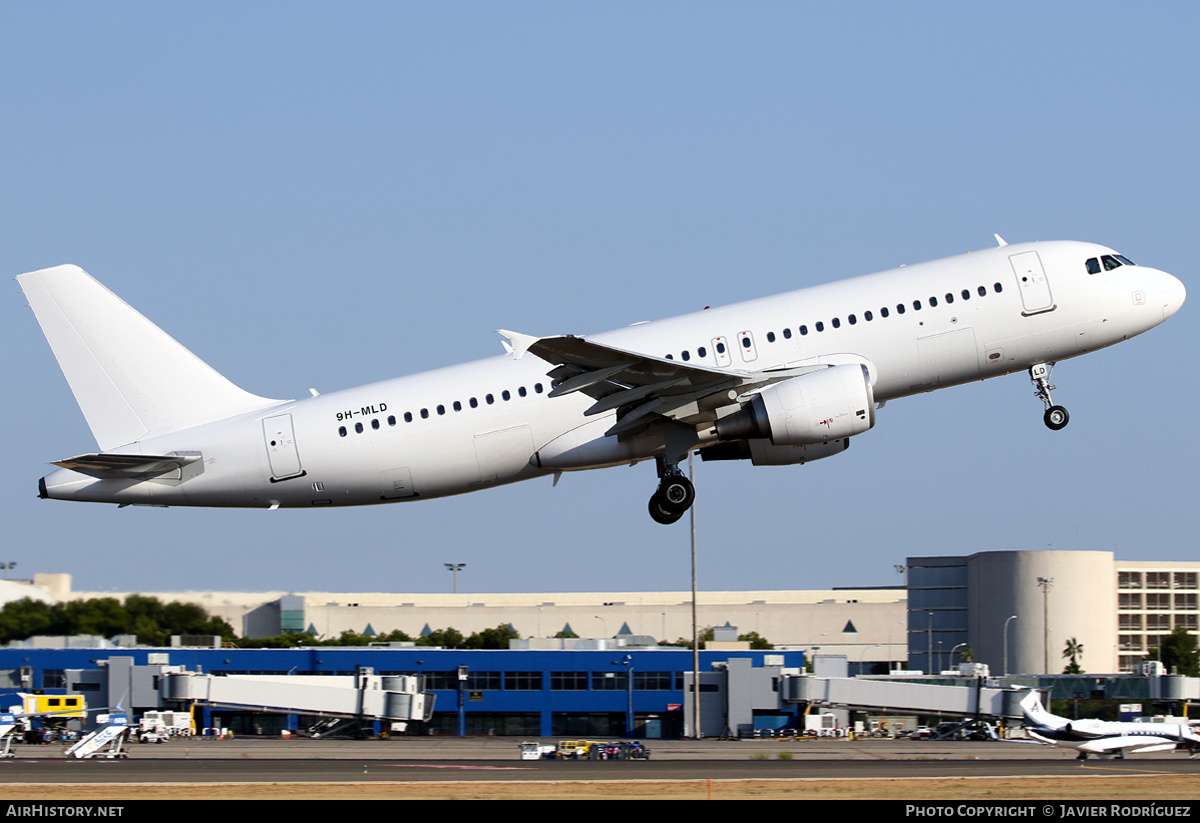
(929, 638)
(695, 629)
(1046, 583)
(863, 655)
(628, 663)
(7, 566)
(455, 568)
(952, 651)
(463, 674)
(1006, 622)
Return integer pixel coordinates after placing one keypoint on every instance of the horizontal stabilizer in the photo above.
(114, 466)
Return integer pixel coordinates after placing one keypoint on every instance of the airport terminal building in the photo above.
(605, 692)
(1018, 609)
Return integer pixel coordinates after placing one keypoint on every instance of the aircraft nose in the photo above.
(1173, 295)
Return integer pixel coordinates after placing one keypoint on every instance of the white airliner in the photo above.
(1103, 737)
(778, 380)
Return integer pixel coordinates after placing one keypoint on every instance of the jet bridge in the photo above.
(970, 699)
(364, 696)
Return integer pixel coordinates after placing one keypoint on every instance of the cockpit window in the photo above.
(1110, 262)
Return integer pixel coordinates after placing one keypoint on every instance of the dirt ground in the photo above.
(1083, 787)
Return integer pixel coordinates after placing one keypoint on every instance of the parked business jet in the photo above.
(777, 381)
(1103, 737)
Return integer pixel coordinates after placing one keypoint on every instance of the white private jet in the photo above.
(1103, 737)
(778, 380)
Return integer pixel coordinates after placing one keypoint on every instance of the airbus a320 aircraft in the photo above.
(1103, 737)
(777, 381)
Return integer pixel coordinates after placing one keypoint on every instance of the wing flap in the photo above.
(641, 387)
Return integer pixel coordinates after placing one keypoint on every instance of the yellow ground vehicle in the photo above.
(574, 749)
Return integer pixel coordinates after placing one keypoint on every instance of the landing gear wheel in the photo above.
(672, 499)
(676, 493)
(1056, 417)
(661, 514)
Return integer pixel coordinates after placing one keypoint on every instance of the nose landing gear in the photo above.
(1056, 417)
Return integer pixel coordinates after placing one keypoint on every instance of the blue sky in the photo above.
(310, 194)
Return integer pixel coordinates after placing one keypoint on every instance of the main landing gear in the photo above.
(674, 496)
(1056, 417)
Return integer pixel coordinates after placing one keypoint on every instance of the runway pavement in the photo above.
(442, 759)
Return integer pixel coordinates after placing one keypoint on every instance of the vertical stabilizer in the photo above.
(129, 377)
(1035, 713)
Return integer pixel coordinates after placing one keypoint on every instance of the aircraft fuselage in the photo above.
(454, 430)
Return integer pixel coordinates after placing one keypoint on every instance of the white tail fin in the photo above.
(129, 377)
(1035, 713)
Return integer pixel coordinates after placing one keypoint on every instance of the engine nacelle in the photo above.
(819, 407)
(765, 453)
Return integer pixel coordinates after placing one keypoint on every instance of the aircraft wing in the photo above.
(640, 387)
(114, 466)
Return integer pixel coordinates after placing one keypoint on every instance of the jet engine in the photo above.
(818, 407)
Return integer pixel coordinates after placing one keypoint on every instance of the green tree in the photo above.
(448, 638)
(496, 638)
(1073, 651)
(755, 640)
(1178, 653)
(147, 617)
